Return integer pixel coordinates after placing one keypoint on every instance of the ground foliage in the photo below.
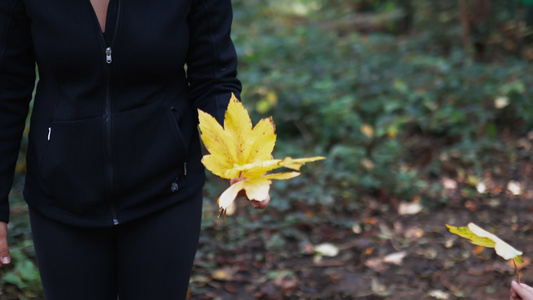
(419, 131)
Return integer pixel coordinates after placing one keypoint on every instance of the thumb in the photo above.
(261, 204)
(5, 258)
(521, 291)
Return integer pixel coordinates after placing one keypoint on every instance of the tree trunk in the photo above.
(466, 26)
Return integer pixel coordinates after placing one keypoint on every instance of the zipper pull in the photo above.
(108, 57)
(174, 186)
(49, 133)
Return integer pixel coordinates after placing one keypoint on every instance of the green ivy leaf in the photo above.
(12, 278)
(28, 270)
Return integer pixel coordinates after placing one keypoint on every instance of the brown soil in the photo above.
(276, 261)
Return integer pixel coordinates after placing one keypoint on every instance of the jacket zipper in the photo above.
(107, 118)
(108, 140)
(108, 57)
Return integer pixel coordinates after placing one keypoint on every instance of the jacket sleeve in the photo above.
(211, 58)
(17, 78)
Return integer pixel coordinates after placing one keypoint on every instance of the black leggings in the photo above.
(150, 258)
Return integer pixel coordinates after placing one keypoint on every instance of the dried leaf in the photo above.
(411, 208)
(414, 233)
(449, 183)
(223, 274)
(477, 250)
(395, 258)
(356, 228)
(520, 265)
(377, 264)
(481, 187)
(327, 249)
(370, 221)
(369, 251)
(501, 102)
(367, 130)
(367, 163)
(478, 236)
(438, 294)
(243, 153)
(514, 187)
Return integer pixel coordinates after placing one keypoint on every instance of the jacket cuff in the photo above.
(4, 211)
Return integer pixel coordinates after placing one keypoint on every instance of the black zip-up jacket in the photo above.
(113, 132)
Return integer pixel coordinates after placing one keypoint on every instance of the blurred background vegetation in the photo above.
(396, 94)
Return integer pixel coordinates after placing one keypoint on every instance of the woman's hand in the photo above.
(255, 204)
(521, 291)
(261, 204)
(4, 250)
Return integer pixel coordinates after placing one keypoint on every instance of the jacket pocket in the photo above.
(150, 153)
(72, 165)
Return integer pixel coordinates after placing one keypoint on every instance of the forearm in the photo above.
(17, 77)
(211, 59)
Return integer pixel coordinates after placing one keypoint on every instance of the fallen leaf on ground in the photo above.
(449, 183)
(414, 233)
(381, 264)
(438, 294)
(514, 187)
(501, 102)
(224, 274)
(377, 264)
(477, 249)
(367, 130)
(520, 265)
(370, 221)
(327, 249)
(411, 208)
(395, 258)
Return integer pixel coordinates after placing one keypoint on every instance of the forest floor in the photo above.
(397, 253)
(386, 248)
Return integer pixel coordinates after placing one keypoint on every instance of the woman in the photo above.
(114, 176)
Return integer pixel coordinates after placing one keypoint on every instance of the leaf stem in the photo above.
(516, 271)
(222, 212)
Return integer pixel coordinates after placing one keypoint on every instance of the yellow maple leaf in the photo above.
(242, 152)
(478, 236)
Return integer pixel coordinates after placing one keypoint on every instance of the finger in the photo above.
(5, 258)
(522, 292)
(527, 287)
(514, 296)
(261, 204)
